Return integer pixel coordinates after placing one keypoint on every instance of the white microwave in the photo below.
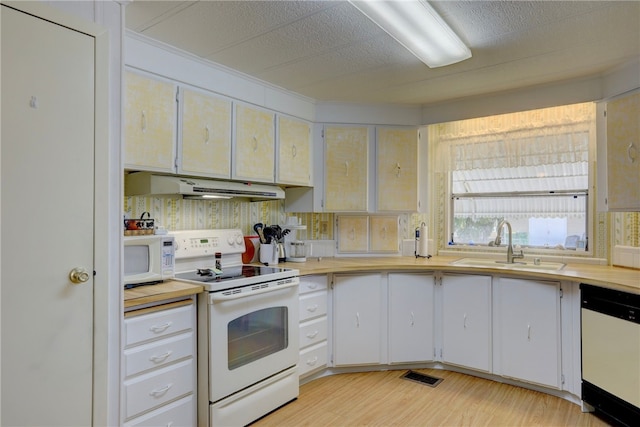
(148, 259)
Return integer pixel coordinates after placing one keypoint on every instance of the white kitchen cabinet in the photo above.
(619, 154)
(313, 324)
(254, 153)
(527, 330)
(466, 321)
(358, 319)
(383, 233)
(353, 233)
(150, 111)
(204, 146)
(411, 317)
(346, 168)
(159, 365)
(294, 154)
(397, 170)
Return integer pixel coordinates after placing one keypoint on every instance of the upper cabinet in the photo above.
(294, 152)
(619, 155)
(149, 123)
(204, 147)
(397, 169)
(346, 168)
(254, 155)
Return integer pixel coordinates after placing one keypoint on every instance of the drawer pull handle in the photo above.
(156, 329)
(160, 358)
(528, 332)
(312, 308)
(312, 285)
(160, 391)
(312, 335)
(312, 362)
(413, 319)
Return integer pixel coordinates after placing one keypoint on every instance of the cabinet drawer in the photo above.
(312, 358)
(159, 324)
(157, 354)
(313, 305)
(311, 284)
(158, 387)
(313, 331)
(179, 413)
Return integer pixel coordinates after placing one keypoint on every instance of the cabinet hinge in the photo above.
(177, 94)
(562, 379)
(440, 354)
(561, 293)
(322, 133)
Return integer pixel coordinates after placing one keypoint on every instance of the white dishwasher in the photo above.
(611, 353)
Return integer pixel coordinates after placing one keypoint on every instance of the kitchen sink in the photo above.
(518, 265)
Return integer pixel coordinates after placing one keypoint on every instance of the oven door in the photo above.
(252, 335)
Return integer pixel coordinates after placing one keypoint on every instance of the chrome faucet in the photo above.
(510, 254)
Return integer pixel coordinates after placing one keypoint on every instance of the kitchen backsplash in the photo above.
(180, 214)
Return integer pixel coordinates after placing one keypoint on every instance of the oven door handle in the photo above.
(230, 295)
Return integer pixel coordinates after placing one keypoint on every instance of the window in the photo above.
(529, 168)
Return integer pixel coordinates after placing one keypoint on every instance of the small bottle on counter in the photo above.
(219, 261)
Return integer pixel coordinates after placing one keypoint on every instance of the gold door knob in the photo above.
(78, 275)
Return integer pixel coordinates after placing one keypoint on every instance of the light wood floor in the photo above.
(384, 399)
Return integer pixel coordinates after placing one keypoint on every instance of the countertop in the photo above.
(624, 279)
(143, 295)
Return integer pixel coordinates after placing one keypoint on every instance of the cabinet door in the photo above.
(149, 124)
(294, 152)
(346, 174)
(205, 137)
(410, 317)
(466, 308)
(254, 156)
(528, 330)
(357, 315)
(384, 233)
(397, 169)
(623, 153)
(353, 233)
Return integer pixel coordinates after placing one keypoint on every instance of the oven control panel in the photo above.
(202, 243)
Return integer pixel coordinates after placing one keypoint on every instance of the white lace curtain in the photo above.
(539, 137)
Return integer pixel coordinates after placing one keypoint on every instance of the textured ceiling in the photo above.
(329, 51)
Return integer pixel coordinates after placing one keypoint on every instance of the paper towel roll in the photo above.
(423, 242)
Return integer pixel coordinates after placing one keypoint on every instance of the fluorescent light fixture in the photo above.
(206, 196)
(419, 28)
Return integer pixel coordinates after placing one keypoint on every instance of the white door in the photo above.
(411, 317)
(47, 224)
(358, 318)
(466, 321)
(528, 330)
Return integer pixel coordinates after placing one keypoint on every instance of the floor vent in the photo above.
(422, 378)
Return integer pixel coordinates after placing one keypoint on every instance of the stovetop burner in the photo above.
(195, 250)
(229, 273)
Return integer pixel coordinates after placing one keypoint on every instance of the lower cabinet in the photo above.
(383, 319)
(466, 321)
(358, 319)
(527, 330)
(313, 324)
(159, 365)
(411, 317)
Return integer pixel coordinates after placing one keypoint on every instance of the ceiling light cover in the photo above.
(419, 28)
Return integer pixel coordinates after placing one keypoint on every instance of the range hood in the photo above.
(149, 184)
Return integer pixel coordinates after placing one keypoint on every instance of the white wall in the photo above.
(596, 88)
(148, 55)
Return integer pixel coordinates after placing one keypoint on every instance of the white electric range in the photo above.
(247, 328)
